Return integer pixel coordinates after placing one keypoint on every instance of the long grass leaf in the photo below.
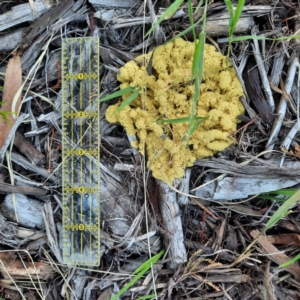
(169, 11)
(231, 14)
(285, 192)
(283, 210)
(126, 102)
(198, 56)
(185, 31)
(199, 5)
(190, 13)
(117, 94)
(144, 297)
(181, 120)
(147, 263)
(141, 271)
(129, 284)
(237, 14)
(271, 198)
(259, 37)
(291, 261)
(194, 126)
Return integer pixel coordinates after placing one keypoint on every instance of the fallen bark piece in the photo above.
(6, 188)
(45, 21)
(255, 92)
(217, 23)
(12, 83)
(275, 255)
(33, 155)
(10, 41)
(20, 160)
(170, 213)
(231, 188)
(281, 109)
(51, 231)
(23, 13)
(25, 211)
(11, 266)
(285, 239)
(98, 4)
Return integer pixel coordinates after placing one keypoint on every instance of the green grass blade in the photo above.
(237, 15)
(282, 192)
(291, 261)
(170, 11)
(128, 100)
(144, 297)
(147, 263)
(285, 192)
(190, 13)
(118, 94)
(198, 56)
(141, 271)
(185, 31)
(129, 284)
(194, 126)
(257, 37)
(231, 14)
(181, 120)
(4, 115)
(271, 198)
(283, 210)
(199, 5)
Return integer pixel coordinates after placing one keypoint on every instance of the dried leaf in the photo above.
(12, 83)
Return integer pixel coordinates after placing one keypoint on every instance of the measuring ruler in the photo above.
(80, 151)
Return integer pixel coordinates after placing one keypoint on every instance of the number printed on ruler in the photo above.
(81, 151)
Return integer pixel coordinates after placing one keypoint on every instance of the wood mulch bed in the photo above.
(207, 233)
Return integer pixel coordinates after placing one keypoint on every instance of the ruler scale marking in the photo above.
(81, 153)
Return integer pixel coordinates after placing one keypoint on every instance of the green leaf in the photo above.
(1, 89)
(291, 261)
(231, 14)
(144, 297)
(141, 271)
(259, 37)
(118, 94)
(126, 102)
(199, 5)
(193, 127)
(190, 13)
(185, 31)
(147, 263)
(283, 210)
(1, 103)
(170, 11)
(4, 115)
(128, 285)
(271, 198)
(285, 192)
(282, 192)
(197, 68)
(181, 120)
(237, 15)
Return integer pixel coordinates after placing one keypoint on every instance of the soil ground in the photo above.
(210, 237)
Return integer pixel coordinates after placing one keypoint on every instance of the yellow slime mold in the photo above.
(168, 94)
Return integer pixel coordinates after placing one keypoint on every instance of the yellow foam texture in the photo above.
(168, 94)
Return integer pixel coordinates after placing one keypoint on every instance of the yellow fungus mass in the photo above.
(168, 93)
